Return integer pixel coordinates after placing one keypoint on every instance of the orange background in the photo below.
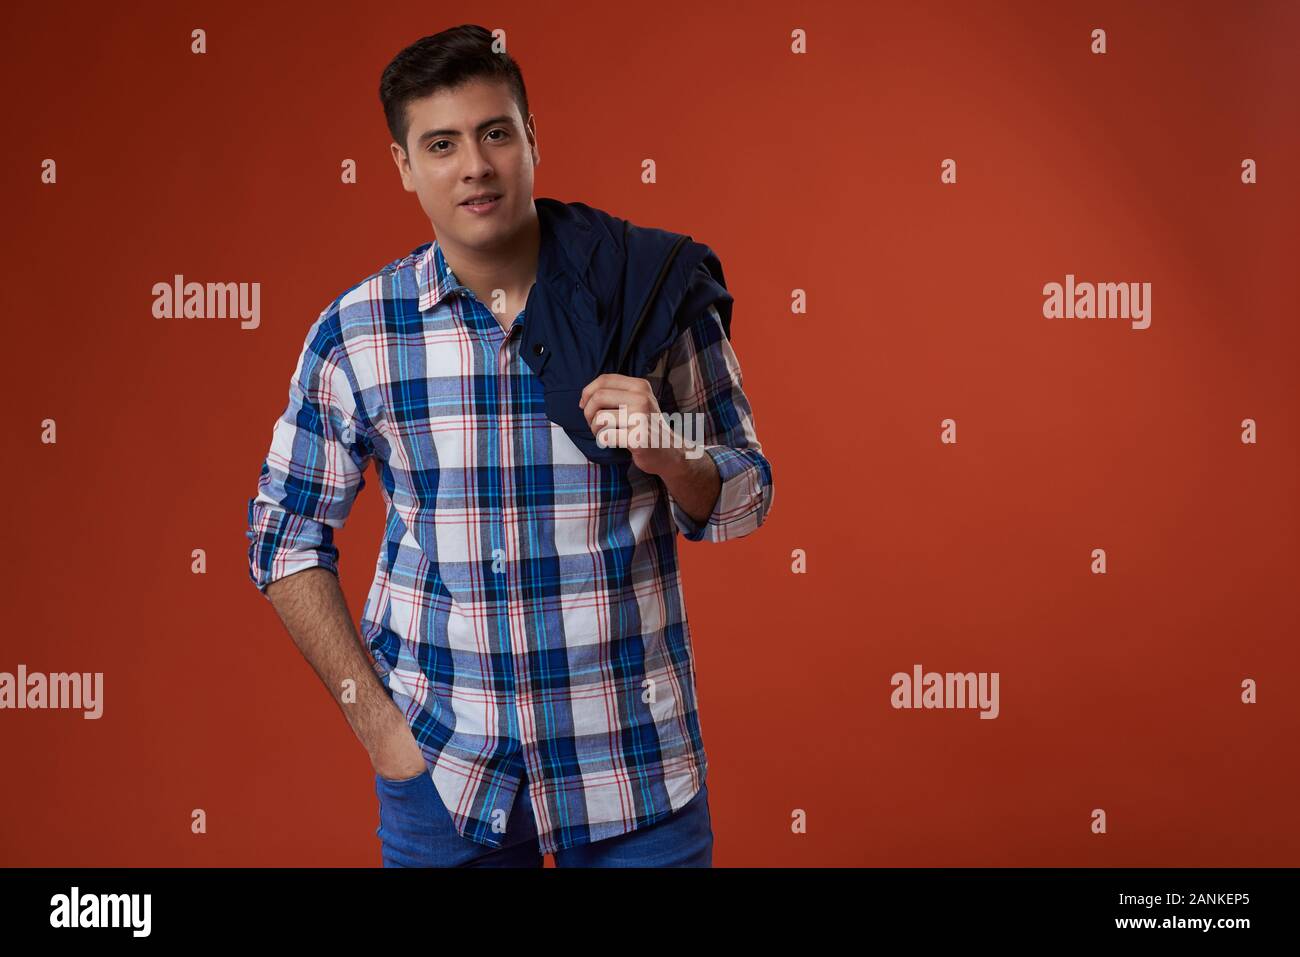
(818, 172)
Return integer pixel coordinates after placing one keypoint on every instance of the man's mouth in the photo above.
(482, 202)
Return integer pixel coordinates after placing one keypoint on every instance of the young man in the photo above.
(527, 683)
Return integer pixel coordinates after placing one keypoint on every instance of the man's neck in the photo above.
(511, 268)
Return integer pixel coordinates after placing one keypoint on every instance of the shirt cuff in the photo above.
(740, 507)
(282, 543)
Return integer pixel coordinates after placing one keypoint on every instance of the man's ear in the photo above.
(531, 126)
(403, 166)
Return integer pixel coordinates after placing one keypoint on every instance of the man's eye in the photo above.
(498, 130)
(432, 145)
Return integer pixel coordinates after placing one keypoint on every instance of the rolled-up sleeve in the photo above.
(703, 377)
(315, 466)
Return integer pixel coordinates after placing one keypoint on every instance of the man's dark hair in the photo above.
(444, 60)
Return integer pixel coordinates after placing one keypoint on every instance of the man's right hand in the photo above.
(396, 755)
(311, 605)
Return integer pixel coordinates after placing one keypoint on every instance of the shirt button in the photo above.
(538, 349)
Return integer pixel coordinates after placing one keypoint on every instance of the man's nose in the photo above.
(476, 163)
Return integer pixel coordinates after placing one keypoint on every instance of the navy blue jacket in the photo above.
(610, 296)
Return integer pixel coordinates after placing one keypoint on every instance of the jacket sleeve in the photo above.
(702, 377)
(320, 448)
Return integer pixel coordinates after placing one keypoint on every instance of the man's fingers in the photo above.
(612, 380)
(610, 399)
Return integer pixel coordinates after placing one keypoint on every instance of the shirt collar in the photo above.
(434, 277)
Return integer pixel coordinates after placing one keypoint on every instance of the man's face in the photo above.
(462, 142)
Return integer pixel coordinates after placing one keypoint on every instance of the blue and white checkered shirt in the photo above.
(526, 613)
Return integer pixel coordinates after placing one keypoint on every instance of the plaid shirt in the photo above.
(526, 613)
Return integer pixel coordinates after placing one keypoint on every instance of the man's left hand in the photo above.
(600, 401)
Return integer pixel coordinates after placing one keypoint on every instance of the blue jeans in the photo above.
(416, 830)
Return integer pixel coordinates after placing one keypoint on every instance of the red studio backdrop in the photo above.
(1162, 691)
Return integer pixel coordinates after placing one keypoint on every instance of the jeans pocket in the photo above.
(414, 828)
